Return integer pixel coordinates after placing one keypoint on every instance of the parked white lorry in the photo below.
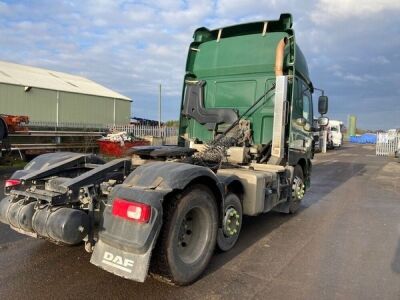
(335, 134)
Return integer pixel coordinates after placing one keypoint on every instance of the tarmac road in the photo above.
(343, 244)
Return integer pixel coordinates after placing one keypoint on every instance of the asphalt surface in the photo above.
(343, 244)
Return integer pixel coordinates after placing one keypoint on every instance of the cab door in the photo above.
(300, 137)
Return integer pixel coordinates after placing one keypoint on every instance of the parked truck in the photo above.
(317, 135)
(335, 134)
(245, 148)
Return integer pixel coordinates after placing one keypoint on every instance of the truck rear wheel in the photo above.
(298, 189)
(188, 237)
(231, 223)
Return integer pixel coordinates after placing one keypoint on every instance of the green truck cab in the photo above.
(235, 66)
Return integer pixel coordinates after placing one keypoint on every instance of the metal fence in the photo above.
(66, 125)
(137, 130)
(142, 130)
(387, 143)
(169, 135)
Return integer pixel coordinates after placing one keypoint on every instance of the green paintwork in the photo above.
(238, 68)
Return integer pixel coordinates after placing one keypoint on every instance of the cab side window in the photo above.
(307, 104)
(302, 102)
(307, 107)
(297, 111)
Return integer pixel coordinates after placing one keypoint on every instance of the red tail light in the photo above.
(132, 211)
(12, 182)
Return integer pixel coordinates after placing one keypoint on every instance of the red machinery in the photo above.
(118, 149)
(14, 123)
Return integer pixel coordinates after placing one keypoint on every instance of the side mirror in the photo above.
(323, 105)
(323, 121)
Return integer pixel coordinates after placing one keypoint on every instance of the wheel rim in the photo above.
(298, 189)
(231, 222)
(193, 234)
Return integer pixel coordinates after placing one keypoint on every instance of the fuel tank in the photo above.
(59, 224)
(65, 225)
(20, 215)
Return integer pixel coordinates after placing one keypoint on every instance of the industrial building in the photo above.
(59, 98)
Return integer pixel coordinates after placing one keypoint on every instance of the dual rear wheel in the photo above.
(190, 233)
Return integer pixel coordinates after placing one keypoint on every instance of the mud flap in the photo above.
(121, 263)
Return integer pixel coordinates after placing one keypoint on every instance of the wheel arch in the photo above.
(236, 187)
(306, 167)
(202, 180)
(211, 184)
(231, 184)
(303, 164)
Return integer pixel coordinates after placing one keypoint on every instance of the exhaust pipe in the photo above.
(279, 56)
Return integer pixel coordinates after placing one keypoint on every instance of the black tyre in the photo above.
(3, 130)
(298, 189)
(231, 223)
(188, 237)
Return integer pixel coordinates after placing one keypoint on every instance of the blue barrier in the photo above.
(367, 138)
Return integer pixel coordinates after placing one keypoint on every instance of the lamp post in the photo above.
(159, 111)
(324, 139)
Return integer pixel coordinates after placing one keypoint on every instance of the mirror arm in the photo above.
(321, 90)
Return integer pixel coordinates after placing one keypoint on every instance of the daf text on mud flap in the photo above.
(117, 261)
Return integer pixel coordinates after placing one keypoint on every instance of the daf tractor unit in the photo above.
(245, 148)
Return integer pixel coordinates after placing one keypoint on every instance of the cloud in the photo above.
(234, 8)
(189, 16)
(338, 10)
(381, 60)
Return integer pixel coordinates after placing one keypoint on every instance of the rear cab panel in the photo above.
(233, 79)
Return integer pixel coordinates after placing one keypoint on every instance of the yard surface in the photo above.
(344, 243)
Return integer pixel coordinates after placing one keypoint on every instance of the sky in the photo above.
(352, 47)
